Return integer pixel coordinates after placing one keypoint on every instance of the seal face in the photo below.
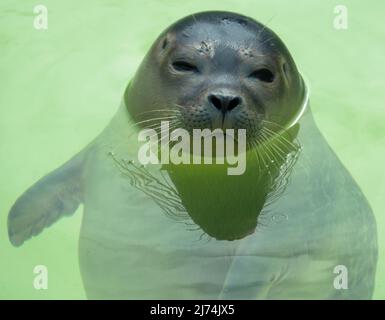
(218, 70)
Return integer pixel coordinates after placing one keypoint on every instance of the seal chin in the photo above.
(231, 234)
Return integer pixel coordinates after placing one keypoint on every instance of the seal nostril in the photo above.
(215, 101)
(224, 103)
(235, 102)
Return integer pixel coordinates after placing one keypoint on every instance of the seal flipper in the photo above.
(57, 194)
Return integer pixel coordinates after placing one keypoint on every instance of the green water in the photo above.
(59, 88)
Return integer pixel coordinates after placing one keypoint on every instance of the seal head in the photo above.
(217, 70)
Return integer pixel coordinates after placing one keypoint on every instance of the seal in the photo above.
(187, 231)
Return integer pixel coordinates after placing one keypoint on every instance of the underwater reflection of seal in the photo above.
(190, 231)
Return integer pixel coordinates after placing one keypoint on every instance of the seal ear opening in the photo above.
(285, 73)
(284, 68)
(164, 43)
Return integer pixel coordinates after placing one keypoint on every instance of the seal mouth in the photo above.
(197, 117)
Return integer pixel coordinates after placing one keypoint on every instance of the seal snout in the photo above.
(217, 71)
(224, 102)
(222, 105)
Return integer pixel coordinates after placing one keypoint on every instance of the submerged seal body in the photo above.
(279, 230)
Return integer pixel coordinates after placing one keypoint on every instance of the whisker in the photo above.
(172, 125)
(180, 106)
(268, 152)
(273, 138)
(272, 153)
(159, 110)
(265, 25)
(255, 149)
(280, 136)
(261, 154)
(155, 119)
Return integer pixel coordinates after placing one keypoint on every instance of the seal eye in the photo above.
(184, 66)
(264, 75)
